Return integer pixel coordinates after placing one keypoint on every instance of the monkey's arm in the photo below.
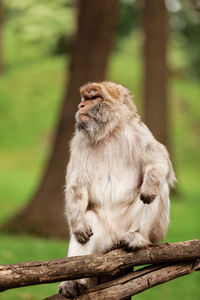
(156, 167)
(76, 204)
(155, 175)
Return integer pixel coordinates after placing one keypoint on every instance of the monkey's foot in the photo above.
(133, 240)
(72, 288)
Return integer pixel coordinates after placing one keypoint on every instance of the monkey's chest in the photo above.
(111, 189)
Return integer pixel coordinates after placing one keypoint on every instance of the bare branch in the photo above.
(31, 273)
(136, 282)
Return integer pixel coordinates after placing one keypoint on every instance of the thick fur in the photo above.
(118, 177)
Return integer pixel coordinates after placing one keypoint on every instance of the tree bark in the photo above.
(136, 282)
(155, 69)
(44, 215)
(38, 272)
(105, 279)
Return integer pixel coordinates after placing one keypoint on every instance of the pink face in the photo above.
(85, 106)
(94, 112)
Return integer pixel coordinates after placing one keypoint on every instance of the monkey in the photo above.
(118, 178)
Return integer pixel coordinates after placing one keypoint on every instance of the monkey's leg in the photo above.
(73, 288)
(149, 222)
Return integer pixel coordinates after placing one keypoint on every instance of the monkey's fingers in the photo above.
(147, 199)
(82, 237)
(89, 232)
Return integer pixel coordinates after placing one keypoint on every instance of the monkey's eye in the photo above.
(92, 97)
(95, 97)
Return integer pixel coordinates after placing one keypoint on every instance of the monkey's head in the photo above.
(104, 106)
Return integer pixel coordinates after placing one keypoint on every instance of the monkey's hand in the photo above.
(147, 199)
(83, 233)
(150, 186)
(148, 194)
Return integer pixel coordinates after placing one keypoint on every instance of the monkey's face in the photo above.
(104, 106)
(88, 109)
(94, 113)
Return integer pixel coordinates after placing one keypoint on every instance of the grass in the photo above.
(26, 248)
(30, 92)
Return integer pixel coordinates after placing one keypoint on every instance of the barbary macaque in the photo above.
(118, 178)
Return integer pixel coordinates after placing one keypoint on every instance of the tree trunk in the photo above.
(45, 212)
(1, 37)
(155, 69)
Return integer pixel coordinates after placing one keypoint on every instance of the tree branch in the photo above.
(136, 282)
(31, 273)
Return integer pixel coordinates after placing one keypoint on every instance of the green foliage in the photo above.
(128, 18)
(41, 23)
(185, 25)
(25, 248)
(49, 25)
(30, 93)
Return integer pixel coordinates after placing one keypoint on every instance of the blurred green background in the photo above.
(31, 87)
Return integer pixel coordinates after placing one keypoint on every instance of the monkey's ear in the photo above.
(128, 101)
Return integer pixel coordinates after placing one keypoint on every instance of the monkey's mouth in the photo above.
(82, 116)
(83, 121)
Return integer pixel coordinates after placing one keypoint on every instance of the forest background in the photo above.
(36, 42)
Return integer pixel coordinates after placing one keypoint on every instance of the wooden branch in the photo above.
(136, 282)
(31, 273)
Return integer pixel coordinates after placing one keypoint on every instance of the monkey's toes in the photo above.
(68, 289)
(147, 199)
(133, 240)
(72, 288)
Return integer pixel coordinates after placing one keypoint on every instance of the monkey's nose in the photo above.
(81, 105)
